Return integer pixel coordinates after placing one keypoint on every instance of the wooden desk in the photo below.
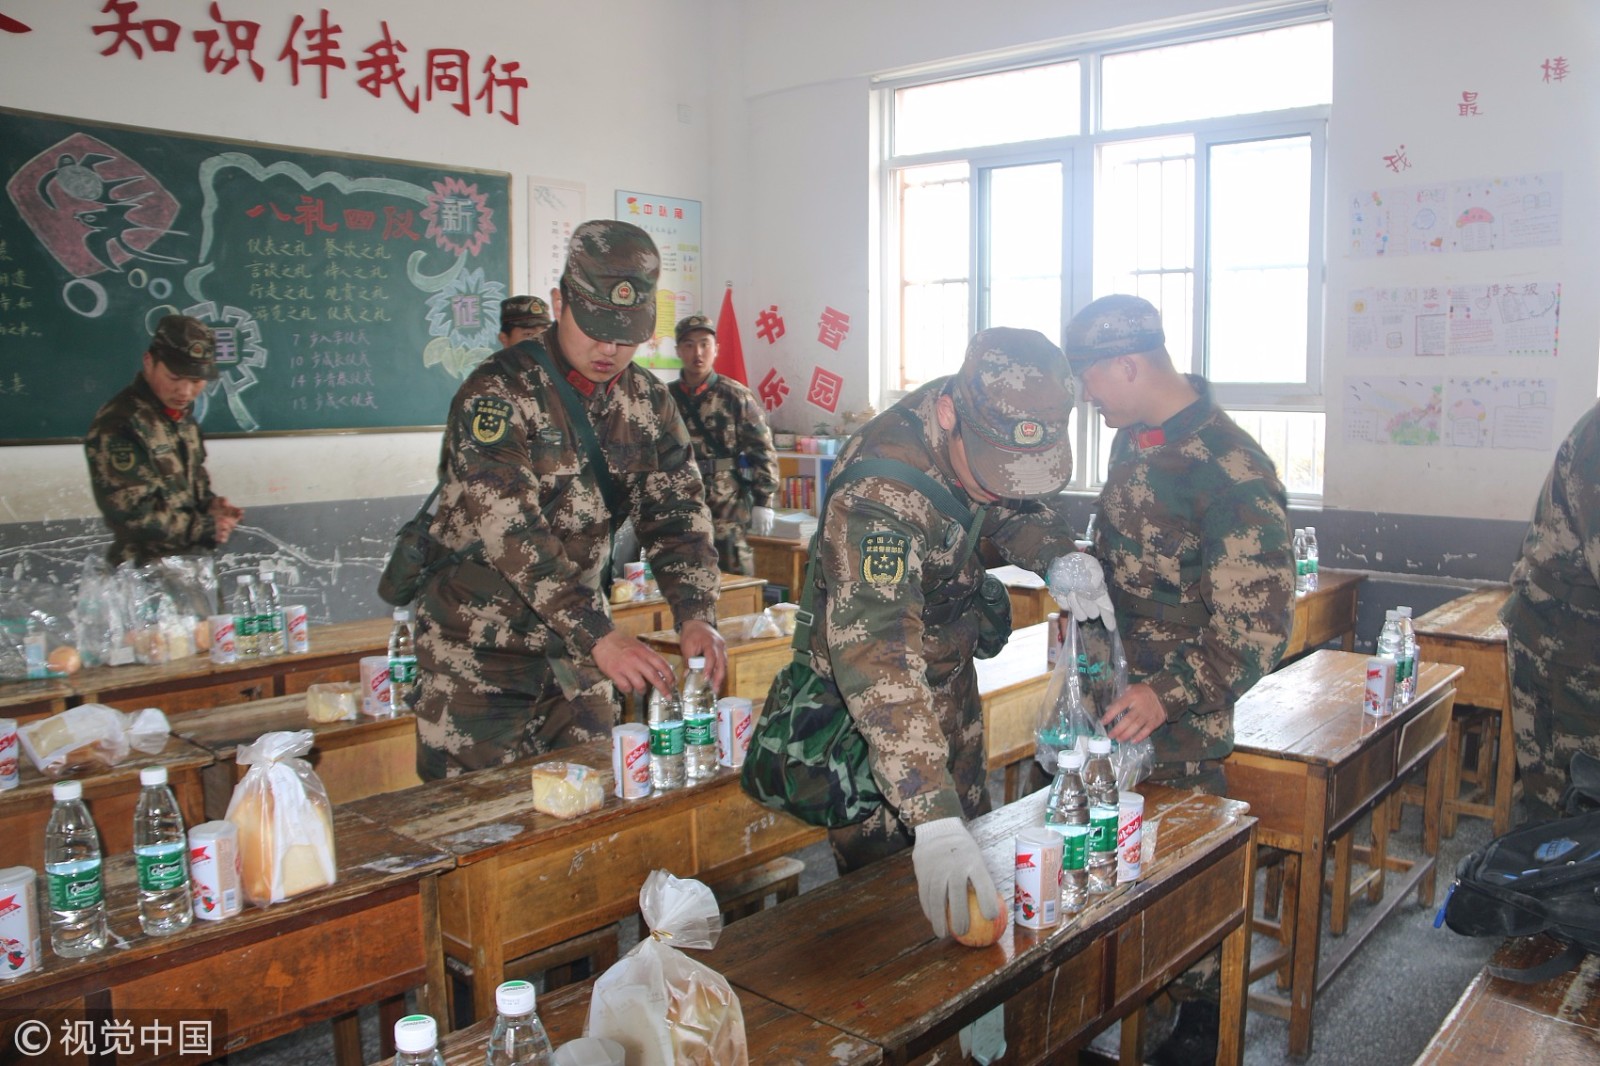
(776, 1036)
(1327, 613)
(858, 955)
(196, 682)
(354, 759)
(782, 562)
(740, 595)
(752, 663)
(1309, 763)
(366, 938)
(111, 794)
(1031, 602)
(1552, 1023)
(1012, 687)
(1467, 631)
(526, 881)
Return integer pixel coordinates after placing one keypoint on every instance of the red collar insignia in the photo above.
(1149, 438)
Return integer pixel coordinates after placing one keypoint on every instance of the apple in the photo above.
(981, 931)
(65, 660)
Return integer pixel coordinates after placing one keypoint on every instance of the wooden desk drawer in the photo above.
(1424, 733)
(1155, 944)
(736, 831)
(1361, 780)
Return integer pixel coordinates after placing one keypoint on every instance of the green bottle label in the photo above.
(666, 738)
(403, 671)
(244, 625)
(76, 890)
(162, 866)
(700, 729)
(1075, 848)
(1102, 829)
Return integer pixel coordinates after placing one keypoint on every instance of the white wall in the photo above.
(602, 108)
(1400, 68)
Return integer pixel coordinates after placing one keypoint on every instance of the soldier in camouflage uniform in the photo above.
(1553, 623)
(515, 648)
(147, 461)
(522, 318)
(898, 621)
(732, 445)
(1194, 539)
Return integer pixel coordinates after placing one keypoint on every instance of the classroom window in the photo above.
(1186, 171)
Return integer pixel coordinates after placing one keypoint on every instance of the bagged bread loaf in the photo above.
(284, 819)
(663, 1007)
(567, 789)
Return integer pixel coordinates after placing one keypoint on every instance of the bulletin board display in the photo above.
(345, 292)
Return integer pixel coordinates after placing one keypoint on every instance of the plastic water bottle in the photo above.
(699, 722)
(1100, 782)
(1067, 812)
(402, 662)
(161, 850)
(416, 1041)
(1302, 565)
(1389, 648)
(269, 616)
(666, 741)
(246, 609)
(649, 575)
(518, 1038)
(1311, 559)
(1405, 688)
(72, 875)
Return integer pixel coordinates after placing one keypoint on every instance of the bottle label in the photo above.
(666, 738)
(271, 622)
(244, 625)
(403, 671)
(700, 729)
(161, 867)
(1075, 848)
(76, 890)
(1102, 828)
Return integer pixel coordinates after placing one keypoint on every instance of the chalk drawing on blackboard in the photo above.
(92, 207)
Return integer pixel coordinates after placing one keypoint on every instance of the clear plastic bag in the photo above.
(91, 737)
(1091, 672)
(35, 620)
(284, 819)
(658, 1003)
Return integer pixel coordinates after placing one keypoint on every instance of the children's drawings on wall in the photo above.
(1476, 215)
(1519, 319)
(555, 210)
(1499, 412)
(1397, 321)
(1390, 410)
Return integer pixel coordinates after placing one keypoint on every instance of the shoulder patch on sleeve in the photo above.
(883, 557)
(490, 418)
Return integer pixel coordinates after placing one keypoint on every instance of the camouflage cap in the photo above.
(185, 346)
(1112, 326)
(693, 322)
(529, 311)
(1013, 395)
(610, 281)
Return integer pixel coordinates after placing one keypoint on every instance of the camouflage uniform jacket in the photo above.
(895, 618)
(149, 477)
(1194, 538)
(738, 460)
(1555, 606)
(519, 494)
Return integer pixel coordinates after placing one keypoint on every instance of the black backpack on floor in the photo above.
(1543, 877)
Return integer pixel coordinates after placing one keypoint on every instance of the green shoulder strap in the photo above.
(579, 417)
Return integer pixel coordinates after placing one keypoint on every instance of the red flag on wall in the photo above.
(730, 351)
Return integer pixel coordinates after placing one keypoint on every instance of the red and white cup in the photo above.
(735, 723)
(1130, 836)
(9, 751)
(1038, 878)
(1378, 699)
(20, 939)
(630, 760)
(224, 639)
(216, 870)
(376, 695)
(297, 629)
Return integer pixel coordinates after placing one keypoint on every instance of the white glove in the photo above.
(1078, 584)
(761, 519)
(945, 858)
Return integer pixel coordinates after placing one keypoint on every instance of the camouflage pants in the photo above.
(1555, 711)
(961, 719)
(733, 550)
(479, 707)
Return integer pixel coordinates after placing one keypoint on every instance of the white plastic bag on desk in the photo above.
(663, 1007)
(284, 818)
(91, 737)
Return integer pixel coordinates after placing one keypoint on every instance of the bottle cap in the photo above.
(1071, 759)
(416, 1033)
(402, 614)
(66, 791)
(153, 775)
(269, 575)
(1299, 531)
(1311, 531)
(1403, 612)
(514, 998)
(1099, 745)
(246, 579)
(697, 662)
(1391, 615)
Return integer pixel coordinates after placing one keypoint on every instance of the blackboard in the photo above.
(347, 293)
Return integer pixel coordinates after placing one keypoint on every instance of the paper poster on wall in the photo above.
(1384, 410)
(1408, 220)
(1396, 321)
(1474, 215)
(555, 209)
(1518, 319)
(1499, 412)
(675, 226)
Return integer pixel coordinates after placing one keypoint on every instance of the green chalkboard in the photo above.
(347, 293)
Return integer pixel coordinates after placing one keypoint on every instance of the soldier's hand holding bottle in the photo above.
(227, 516)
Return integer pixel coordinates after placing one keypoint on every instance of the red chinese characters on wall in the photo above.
(824, 390)
(772, 390)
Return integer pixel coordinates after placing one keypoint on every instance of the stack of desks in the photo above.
(1555, 1022)
(1310, 763)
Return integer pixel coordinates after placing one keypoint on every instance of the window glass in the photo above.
(1024, 275)
(1030, 104)
(935, 214)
